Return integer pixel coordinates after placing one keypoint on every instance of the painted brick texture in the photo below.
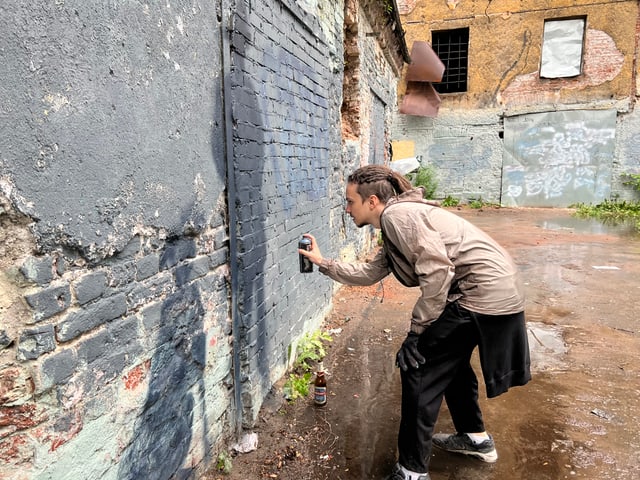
(283, 104)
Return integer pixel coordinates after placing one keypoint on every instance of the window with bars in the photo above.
(452, 47)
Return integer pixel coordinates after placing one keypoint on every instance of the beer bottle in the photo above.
(320, 387)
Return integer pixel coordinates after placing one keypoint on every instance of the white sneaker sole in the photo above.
(489, 457)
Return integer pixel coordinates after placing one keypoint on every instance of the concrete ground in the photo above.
(578, 418)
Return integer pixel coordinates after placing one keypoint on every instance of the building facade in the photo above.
(537, 105)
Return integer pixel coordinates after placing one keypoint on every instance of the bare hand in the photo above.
(314, 254)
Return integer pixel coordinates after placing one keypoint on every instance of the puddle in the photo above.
(589, 226)
(546, 346)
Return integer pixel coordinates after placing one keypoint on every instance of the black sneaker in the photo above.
(398, 474)
(461, 443)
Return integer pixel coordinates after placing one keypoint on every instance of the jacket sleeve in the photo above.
(360, 274)
(424, 248)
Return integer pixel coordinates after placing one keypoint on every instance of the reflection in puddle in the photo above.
(589, 226)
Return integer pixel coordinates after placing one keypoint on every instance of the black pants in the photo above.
(447, 346)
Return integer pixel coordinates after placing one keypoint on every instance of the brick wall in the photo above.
(285, 97)
(143, 336)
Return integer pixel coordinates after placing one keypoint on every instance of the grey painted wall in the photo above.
(627, 155)
(115, 357)
(464, 147)
(76, 156)
(472, 153)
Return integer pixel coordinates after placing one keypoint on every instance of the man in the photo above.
(471, 296)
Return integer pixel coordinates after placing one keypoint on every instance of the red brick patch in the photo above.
(16, 449)
(136, 375)
(21, 416)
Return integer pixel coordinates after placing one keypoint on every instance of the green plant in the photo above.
(425, 177)
(310, 349)
(479, 203)
(476, 203)
(633, 179)
(612, 211)
(224, 463)
(297, 386)
(449, 201)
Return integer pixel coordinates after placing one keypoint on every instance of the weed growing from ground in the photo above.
(310, 351)
(615, 211)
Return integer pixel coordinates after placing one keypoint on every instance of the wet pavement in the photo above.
(578, 418)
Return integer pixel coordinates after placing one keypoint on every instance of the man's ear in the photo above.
(373, 201)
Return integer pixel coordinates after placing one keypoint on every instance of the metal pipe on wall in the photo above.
(226, 31)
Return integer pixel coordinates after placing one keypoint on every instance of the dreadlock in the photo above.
(380, 181)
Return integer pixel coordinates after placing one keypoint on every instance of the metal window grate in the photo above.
(452, 47)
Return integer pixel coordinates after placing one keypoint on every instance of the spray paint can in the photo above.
(306, 265)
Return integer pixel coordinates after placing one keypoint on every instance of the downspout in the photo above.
(400, 32)
(227, 29)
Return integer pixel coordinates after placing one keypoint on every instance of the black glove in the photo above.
(409, 354)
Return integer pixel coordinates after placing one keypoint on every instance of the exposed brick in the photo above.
(191, 270)
(219, 257)
(136, 375)
(16, 386)
(122, 274)
(56, 369)
(17, 449)
(66, 428)
(177, 251)
(90, 287)
(49, 302)
(91, 348)
(147, 266)
(21, 417)
(38, 270)
(221, 239)
(217, 220)
(152, 317)
(152, 288)
(36, 342)
(113, 349)
(5, 339)
(79, 322)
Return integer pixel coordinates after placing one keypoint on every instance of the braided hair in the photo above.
(380, 181)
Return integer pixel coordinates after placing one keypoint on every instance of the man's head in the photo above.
(368, 190)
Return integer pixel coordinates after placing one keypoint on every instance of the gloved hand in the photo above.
(409, 354)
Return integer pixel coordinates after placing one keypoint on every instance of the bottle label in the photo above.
(320, 395)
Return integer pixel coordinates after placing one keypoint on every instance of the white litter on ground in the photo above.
(247, 443)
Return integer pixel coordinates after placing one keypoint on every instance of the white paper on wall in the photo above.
(562, 48)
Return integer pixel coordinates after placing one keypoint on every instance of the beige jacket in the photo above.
(445, 255)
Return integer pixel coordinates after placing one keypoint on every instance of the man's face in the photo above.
(356, 207)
